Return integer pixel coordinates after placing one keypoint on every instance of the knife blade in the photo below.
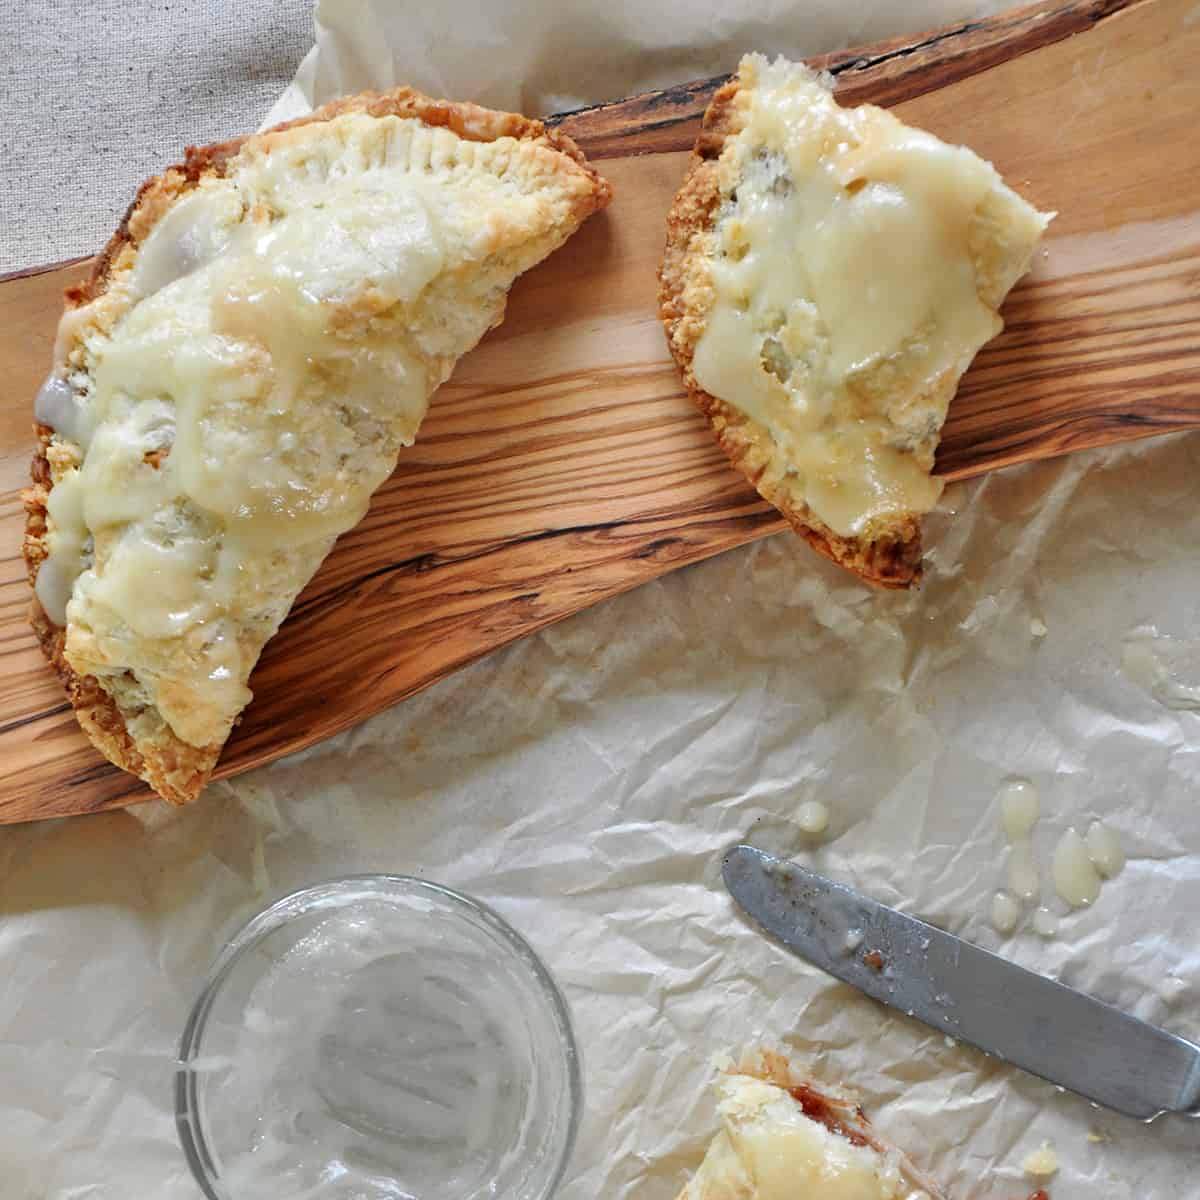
(970, 994)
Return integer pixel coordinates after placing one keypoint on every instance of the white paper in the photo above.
(547, 56)
(586, 780)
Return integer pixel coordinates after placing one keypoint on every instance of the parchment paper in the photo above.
(586, 780)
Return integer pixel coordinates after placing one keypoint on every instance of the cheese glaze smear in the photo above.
(850, 288)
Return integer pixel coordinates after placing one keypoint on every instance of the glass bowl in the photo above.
(378, 1037)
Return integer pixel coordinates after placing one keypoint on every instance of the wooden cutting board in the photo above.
(563, 464)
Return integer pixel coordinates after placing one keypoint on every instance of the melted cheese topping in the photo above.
(768, 1149)
(854, 275)
(276, 342)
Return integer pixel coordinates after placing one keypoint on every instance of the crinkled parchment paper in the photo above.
(585, 781)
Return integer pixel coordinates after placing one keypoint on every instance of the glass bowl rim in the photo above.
(293, 904)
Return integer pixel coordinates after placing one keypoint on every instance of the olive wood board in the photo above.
(563, 463)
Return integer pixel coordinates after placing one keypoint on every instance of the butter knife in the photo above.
(970, 994)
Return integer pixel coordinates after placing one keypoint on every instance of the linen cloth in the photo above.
(97, 96)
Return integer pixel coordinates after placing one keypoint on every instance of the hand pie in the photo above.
(781, 1139)
(829, 275)
(255, 346)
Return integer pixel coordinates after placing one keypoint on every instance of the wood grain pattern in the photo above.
(562, 463)
(884, 73)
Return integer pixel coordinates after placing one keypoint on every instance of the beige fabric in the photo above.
(96, 99)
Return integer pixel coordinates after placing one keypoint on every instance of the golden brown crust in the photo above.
(178, 770)
(892, 558)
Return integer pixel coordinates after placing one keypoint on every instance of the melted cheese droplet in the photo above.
(1166, 667)
(1020, 807)
(848, 290)
(1076, 880)
(813, 816)
(1041, 1163)
(55, 578)
(1022, 871)
(1104, 849)
(1045, 923)
(192, 233)
(1006, 912)
(1019, 811)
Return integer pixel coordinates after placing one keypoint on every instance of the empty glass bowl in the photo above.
(378, 1038)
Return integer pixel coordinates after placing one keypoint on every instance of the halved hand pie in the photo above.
(829, 275)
